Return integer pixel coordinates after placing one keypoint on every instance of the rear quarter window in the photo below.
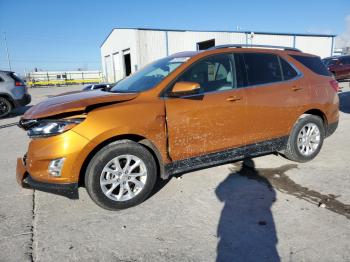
(288, 70)
(313, 63)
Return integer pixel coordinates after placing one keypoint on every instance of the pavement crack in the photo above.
(8, 125)
(33, 242)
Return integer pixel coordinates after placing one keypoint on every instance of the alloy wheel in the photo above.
(123, 177)
(309, 139)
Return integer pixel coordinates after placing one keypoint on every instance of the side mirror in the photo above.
(185, 88)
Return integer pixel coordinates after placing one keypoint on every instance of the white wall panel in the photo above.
(118, 66)
(109, 74)
(277, 40)
(187, 41)
(152, 46)
(320, 46)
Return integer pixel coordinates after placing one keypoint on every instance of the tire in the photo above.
(98, 178)
(5, 107)
(296, 149)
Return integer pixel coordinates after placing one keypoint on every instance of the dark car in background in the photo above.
(339, 66)
(13, 92)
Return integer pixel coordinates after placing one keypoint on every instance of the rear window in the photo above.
(262, 68)
(314, 63)
(345, 60)
(15, 78)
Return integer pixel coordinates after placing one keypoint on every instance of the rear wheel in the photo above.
(5, 107)
(306, 139)
(121, 175)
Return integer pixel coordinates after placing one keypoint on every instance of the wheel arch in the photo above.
(148, 144)
(8, 97)
(319, 113)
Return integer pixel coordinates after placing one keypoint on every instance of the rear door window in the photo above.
(313, 63)
(262, 68)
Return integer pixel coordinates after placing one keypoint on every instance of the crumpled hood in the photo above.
(75, 102)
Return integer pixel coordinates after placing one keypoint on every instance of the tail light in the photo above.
(334, 85)
(17, 83)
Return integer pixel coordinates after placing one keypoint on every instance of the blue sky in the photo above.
(67, 34)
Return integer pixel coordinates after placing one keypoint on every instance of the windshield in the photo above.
(149, 76)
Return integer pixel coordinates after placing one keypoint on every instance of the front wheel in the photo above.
(121, 175)
(306, 139)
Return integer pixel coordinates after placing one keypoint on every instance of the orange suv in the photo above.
(188, 111)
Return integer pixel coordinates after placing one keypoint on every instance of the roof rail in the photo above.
(286, 48)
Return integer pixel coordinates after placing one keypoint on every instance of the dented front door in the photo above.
(201, 124)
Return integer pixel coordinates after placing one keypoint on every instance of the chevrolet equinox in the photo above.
(187, 111)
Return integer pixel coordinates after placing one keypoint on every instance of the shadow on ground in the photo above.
(344, 100)
(246, 229)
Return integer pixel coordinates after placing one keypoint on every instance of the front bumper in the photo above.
(69, 145)
(32, 169)
(25, 100)
(69, 190)
(331, 128)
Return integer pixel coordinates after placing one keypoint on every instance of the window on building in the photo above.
(205, 44)
(127, 62)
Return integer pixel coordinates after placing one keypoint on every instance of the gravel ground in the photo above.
(278, 210)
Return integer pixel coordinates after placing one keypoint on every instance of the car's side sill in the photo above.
(226, 156)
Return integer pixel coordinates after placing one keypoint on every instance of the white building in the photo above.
(127, 49)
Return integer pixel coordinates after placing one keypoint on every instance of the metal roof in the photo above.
(219, 31)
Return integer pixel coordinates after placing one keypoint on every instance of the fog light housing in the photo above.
(55, 167)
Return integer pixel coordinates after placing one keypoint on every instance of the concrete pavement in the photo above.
(278, 210)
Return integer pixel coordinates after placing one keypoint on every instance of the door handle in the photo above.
(297, 88)
(234, 98)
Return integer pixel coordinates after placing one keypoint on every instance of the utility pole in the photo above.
(7, 51)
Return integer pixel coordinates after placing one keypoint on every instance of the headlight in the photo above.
(44, 128)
